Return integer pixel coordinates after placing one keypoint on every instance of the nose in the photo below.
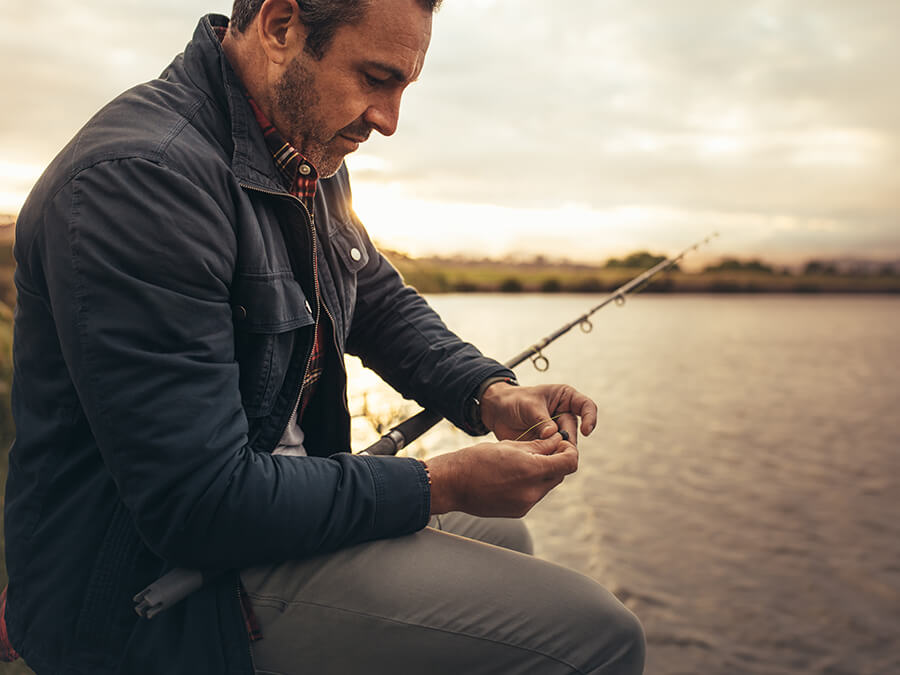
(384, 114)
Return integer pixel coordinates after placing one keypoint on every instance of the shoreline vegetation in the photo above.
(728, 275)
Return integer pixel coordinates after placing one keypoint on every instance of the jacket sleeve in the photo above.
(396, 333)
(138, 281)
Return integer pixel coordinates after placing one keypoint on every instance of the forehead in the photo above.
(392, 33)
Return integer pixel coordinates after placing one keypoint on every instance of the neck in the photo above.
(248, 62)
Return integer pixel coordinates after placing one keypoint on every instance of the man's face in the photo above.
(328, 107)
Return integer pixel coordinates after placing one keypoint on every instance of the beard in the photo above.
(298, 102)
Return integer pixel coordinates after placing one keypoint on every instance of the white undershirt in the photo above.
(291, 442)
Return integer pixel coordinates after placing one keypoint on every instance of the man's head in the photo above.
(328, 72)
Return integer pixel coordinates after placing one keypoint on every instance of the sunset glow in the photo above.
(571, 130)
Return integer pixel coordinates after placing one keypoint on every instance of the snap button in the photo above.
(240, 312)
(304, 169)
(355, 254)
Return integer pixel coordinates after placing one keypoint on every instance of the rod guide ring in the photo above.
(540, 362)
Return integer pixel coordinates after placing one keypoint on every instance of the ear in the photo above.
(281, 33)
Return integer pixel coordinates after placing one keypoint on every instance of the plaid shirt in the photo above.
(301, 176)
(7, 653)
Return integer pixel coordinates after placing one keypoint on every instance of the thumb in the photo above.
(548, 429)
(545, 446)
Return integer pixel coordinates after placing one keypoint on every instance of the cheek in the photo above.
(348, 105)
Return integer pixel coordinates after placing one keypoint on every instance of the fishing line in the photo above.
(534, 426)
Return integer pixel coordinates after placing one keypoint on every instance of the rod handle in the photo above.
(168, 590)
(404, 433)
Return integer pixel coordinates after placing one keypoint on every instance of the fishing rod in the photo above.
(408, 431)
(177, 584)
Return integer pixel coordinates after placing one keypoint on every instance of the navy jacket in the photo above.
(161, 337)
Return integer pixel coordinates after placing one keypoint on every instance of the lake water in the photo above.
(742, 490)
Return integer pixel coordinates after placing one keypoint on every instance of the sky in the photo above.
(577, 129)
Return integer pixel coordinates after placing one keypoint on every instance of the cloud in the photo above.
(584, 87)
(764, 107)
(69, 58)
(773, 108)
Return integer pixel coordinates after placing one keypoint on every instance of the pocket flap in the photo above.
(270, 304)
(350, 248)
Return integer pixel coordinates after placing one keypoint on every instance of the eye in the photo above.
(373, 81)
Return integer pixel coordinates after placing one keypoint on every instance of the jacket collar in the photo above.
(205, 64)
(208, 68)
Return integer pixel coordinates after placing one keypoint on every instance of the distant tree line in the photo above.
(735, 265)
(810, 268)
(639, 259)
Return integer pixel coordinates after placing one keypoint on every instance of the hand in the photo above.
(502, 479)
(511, 411)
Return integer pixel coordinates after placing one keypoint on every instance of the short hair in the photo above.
(321, 17)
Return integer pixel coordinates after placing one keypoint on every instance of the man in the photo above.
(190, 274)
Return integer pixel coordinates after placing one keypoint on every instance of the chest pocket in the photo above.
(268, 311)
(349, 248)
(346, 255)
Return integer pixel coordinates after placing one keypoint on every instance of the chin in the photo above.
(330, 166)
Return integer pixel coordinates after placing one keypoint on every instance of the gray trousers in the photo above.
(437, 603)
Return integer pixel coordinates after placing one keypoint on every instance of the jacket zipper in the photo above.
(320, 305)
(318, 298)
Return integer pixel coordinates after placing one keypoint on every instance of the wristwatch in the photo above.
(473, 407)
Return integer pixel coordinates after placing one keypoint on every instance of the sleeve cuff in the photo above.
(402, 495)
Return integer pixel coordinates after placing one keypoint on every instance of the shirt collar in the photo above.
(300, 176)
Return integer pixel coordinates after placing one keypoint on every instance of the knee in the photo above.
(515, 536)
(508, 533)
(623, 648)
(608, 639)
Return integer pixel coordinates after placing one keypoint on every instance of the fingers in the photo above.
(583, 407)
(562, 462)
(570, 400)
(548, 429)
(568, 427)
(564, 422)
(540, 412)
(588, 416)
(553, 446)
(545, 446)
